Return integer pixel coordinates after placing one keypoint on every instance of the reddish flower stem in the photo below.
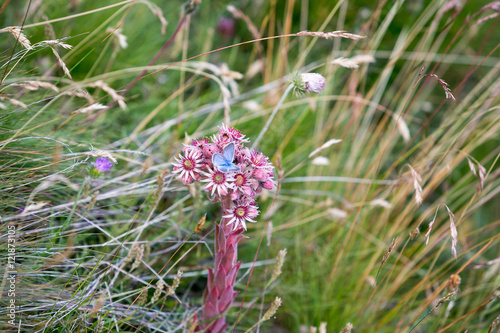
(220, 293)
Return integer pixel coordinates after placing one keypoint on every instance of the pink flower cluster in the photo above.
(196, 163)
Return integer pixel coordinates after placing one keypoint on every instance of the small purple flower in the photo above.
(226, 27)
(313, 82)
(102, 164)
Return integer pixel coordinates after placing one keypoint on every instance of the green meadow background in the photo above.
(94, 254)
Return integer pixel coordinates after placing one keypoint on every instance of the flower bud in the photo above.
(258, 174)
(268, 184)
(226, 26)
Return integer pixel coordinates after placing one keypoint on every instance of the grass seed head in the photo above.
(61, 63)
(417, 180)
(14, 102)
(347, 329)
(280, 260)
(201, 223)
(494, 324)
(18, 34)
(391, 248)
(272, 309)
(175, 284)
(138, 257)
(332, 34)
(159, 288)
(415, 233)
(454, 282)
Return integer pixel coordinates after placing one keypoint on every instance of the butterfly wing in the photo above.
(219, 160)
(233, 167)
(229, 152)
(222, 164)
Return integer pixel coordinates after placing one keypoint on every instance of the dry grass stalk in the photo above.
(159, 14)
(56, 42)
(269, 232)
(482, 173)
(403, 129)
(344, 62)
(353, 62)
(487, 263)
(14, 102)
(332, 34)
(18, 34)
(120, 37)
(49, 182)
(453, 232)
(91, 108)
(428, 233)
(254, 69)
(336, 213)
(111, 92)
(237, 14)
(34, 85)
(381, 203)
(417, 180)
(34, 206)
(450, 5)
(471, 166)
(81, 94)
(320, 160)
(324, 145)
(486, 18)
(61, 63)
(101, 153)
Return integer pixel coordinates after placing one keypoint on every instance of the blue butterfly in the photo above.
(224, 162)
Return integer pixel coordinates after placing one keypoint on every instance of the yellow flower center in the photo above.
(219, 178)
(240, 211)
(188, 164)
(239, 180)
